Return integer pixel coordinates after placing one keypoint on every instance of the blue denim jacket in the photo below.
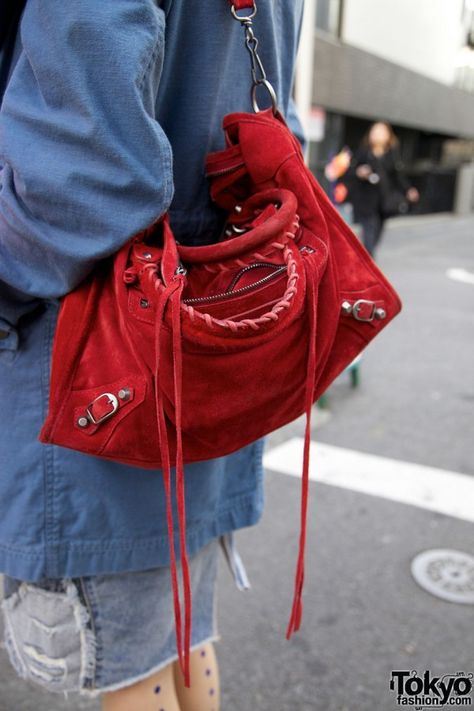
(108, 113)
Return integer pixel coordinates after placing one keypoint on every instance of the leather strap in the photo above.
(294, 622)
(242, 4)
(172, 295)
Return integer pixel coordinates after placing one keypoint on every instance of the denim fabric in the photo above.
(93, 634)
(107, 116)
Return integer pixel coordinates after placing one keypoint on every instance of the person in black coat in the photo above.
(377, 187)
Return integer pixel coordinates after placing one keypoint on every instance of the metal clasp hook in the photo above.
(259, 76)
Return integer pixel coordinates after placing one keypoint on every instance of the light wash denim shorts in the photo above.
(100, 633)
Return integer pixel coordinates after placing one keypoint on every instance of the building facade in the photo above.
(409, 63)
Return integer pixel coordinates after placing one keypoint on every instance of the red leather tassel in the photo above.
(297, 606)
(178, 365)
(173, 293)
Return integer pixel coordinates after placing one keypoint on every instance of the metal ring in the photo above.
(271, 91)
(243, 18)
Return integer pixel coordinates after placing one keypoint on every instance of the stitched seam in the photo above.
(48, 455)
(84, 596)
(158, 42)
(240, 502)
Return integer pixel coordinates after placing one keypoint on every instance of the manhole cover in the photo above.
(445, 573)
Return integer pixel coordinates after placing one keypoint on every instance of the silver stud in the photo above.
(238, 208)
(144, 303)
(147, 255)
(346, 306)
(83, 422)
(380, 313)
(124, 394)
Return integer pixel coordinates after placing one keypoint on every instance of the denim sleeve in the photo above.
(84, 163)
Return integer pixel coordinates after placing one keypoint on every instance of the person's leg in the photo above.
(165, 690)
(370, 228)
(204, 693)
(155, 693)
(378, 229)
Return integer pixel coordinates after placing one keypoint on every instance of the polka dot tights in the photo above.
(204, 694)
(165, 690)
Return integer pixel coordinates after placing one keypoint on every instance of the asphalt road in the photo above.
(364, 615)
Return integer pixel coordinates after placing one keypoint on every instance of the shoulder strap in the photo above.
(242, 4)
(259, 77)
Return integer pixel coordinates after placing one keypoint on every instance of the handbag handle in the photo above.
(259, 77)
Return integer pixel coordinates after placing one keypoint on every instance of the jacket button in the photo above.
(3, 335)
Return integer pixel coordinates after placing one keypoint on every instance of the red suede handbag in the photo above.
(170, 354)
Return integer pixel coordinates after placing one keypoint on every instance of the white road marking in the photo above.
(447, 492)
(459, 274)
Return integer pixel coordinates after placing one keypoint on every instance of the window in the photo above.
(329, 15)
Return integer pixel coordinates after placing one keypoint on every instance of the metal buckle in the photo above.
(378, 312)
(356, 307)
(112, 400)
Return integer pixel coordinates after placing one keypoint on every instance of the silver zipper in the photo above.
(249, 287)
(242, 290)
(256, 265)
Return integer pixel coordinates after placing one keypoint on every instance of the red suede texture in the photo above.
(237, 386)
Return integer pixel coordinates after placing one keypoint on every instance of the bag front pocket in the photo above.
(252, 291)
(251, 299)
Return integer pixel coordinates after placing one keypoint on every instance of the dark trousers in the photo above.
(372, 227)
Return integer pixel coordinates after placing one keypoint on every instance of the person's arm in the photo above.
(397, 167)
(399, 176)
(84, 163)
(359, 169)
